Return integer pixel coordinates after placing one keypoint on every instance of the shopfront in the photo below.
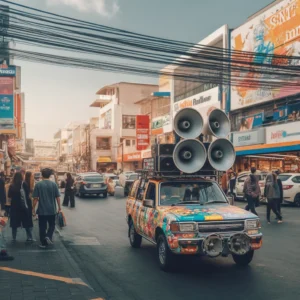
(105, 164)
(130, 161)
(269, 148)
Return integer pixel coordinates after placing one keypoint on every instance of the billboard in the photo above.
(6, 86)
(275, 31)
(8, 71)
(142, 132)
(288, 132)
(6, 112)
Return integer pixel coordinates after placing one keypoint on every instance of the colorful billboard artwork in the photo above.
(250, 122)
(275, 31)
(6, 111)
(6, 86)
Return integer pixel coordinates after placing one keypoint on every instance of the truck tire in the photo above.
(243, 260)
(164, 255)
(134, 238)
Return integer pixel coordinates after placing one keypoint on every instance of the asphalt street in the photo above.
(96, 237)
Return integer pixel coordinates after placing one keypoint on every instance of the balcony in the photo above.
(102, 101)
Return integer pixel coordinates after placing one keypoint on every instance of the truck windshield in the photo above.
(180, 193)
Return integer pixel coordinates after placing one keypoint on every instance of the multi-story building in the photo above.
(45, 149)
(265, 120)
(117, 124)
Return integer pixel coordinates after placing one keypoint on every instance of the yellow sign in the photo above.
(104, 159)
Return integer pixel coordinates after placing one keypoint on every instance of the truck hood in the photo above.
(212, 212)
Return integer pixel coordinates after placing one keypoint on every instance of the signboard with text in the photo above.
(288, 132)
(142, 132)
(6, 112)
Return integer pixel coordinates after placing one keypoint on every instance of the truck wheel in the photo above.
(297, 200)
(134, 238)
(165, 256)
(243, 260)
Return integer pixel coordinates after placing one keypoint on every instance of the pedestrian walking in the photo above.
(46, 194)
(280, 200)
(8, 200)
(2, 191)
(272, 193)
(21, 207)
(69, 191)
(4, 256)
(29, 179)
(251, 191)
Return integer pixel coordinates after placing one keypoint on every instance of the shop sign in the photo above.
(6, 111)
(288, 132)
(160, 122)
(142, 132)
(132, 157)
(247, 138)
(203, 102)
(146, 154)
(7, 71)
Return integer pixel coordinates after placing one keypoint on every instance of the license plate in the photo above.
(96, 185)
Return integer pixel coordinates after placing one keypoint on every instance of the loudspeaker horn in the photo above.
(189, 156)
(221, 155)
(188, 123)
(217, 124)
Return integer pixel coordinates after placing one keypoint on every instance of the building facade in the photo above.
(117, 125)
(265, 121)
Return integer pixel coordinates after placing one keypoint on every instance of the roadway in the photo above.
(96, 237)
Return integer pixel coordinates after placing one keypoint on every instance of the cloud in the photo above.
(106, 8)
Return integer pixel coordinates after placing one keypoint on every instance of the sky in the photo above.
(56, 95)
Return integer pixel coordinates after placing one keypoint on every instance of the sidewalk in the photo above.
(38, 274)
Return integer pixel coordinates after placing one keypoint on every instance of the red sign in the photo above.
(142, 132)
(6, 86)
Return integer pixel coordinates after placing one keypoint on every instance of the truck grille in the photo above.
(221, 226)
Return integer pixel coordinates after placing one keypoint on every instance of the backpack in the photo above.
(23, 198)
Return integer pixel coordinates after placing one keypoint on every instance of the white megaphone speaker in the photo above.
(189, 156)
(221, 155)
(188, 123)
(217, 124)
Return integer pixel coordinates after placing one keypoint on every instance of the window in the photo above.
(284, 177)
(103, 143)
(296, 179)
(242, 178)
(133, 142)
(150, 194)
(177, 193)
(128, 122)
(127, 143)
(134, 188)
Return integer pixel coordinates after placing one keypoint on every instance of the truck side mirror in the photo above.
(148, 203)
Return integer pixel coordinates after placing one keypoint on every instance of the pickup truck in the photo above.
(189, 217)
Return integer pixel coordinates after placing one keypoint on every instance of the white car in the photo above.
(291, 188)
(241, 179)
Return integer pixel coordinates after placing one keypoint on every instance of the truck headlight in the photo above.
(252, 224)
(183, 227)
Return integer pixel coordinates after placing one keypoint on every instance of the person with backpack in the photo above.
(47, 195)
(273, 194)
(252, 191)
(21, 207)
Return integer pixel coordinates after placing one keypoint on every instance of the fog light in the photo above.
(239, 244)
(213, 245)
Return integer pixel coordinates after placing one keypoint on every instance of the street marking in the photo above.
(84, 241)
(46, 276)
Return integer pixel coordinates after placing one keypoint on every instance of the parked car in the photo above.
(90, 184)
(291, 188)
(202, 225)
(241, 179)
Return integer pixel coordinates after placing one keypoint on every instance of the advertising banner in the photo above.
(275, 31)
(142, 132)
(288, 132)
(158, 124)
(252, 137)
(6, 86)
(8, 71)
(6, 112)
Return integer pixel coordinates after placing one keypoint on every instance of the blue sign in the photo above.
(161, 94)
(6, 111)
(8, 72)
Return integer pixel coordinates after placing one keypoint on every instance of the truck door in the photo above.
(147, 212)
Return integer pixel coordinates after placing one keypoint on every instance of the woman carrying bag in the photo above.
(21, 207)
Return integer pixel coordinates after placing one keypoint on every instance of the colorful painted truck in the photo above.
(190, 216)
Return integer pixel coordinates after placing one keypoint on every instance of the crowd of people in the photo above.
(273, 191)
(21, 200)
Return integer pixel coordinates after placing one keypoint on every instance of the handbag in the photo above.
(24, 205)
(61, 219)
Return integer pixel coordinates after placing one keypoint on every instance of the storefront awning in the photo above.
(104, 159)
